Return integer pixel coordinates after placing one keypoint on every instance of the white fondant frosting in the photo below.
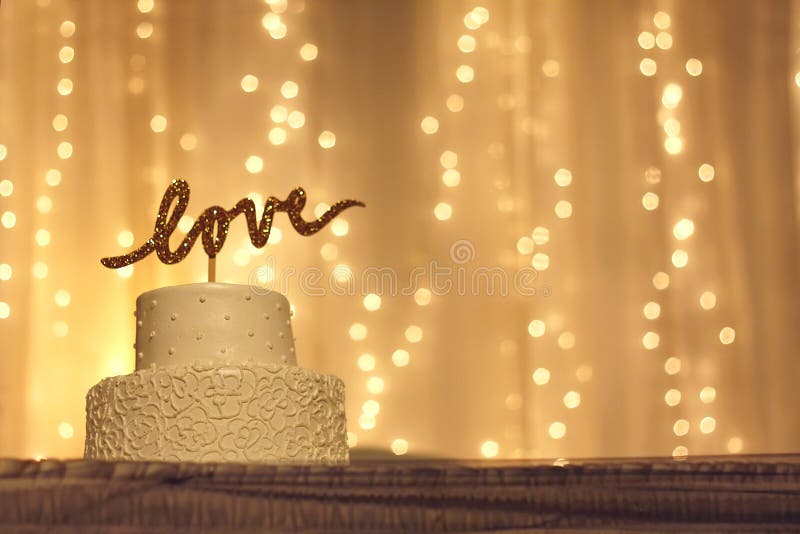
(224, 322)
(216, 380)
(214, 412)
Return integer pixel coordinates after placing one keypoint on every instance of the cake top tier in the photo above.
(218, 322)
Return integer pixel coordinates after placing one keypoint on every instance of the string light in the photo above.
(366, 421)
(707, 425)
(158, 123)
(443, 211)
(705, 172)
(400, 358)
(422, 296)
(372, 302)
(661, 280)
(646, 40)
(249, 83)
(490, 449)
(652, 310)
(584, 373)
(650, 340)
(145, 6)
(727, 335)
(735, 445)
(466, 43)
(681, 427)
(647, 66)
(708, 300)
(540, 261)
(451, 177)
(541, 376)
(650, 201)
(277, 136)
(352, 439)
(572, 399)
(42, 237)
(413, 334)
(5, 272)
(8, 219)
(557, 430)
(563, 177)
(399, 446)
(358, 331)
(672, 397)
(465, 74)
(254, 164)
(525, 245)
(6, 188)
(64, 150)
(40, 270)
(65, 430)
(455, 103)
(62, 298)
(309, 52)
(680, 258)
(375, 385)
(289, 89)
(329, 251)
(708, 394)
(680, 452)
(144, 30)
(664, 40)
(296, 119)
(67, 28)
(327, 139)
(563, 209)
(551, 68)
(566, 340)
(429, 125)
(661, 20)
(672, 365)
(694, 67)
(60, 329)
(5, 310)
(683, 229)
(371, 407)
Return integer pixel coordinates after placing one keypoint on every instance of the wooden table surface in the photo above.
(742, 493)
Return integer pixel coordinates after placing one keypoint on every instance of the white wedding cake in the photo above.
(216, 380)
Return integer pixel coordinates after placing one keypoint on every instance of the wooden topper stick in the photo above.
(212, 269)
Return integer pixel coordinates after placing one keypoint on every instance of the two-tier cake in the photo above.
(216, 380)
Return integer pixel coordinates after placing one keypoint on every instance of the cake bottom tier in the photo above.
(218, 412)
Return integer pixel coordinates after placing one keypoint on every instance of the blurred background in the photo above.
(627, 167)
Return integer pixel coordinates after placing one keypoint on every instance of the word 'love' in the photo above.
(213, 224)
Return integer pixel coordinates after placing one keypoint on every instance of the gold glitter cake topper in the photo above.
(214, 222)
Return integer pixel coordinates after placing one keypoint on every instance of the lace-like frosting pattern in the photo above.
(212, 412)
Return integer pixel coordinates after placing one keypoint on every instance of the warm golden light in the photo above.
(125, 238)
(66, 54)
(646, 40)
(64, 150)
(279, 114)
(566, 340)
(466, 43)
(664, 40)
(125, 272)
(372, 302)
(5, 272)
(399, 446)
(144, 30)
(308, 52)
(455, 103)
(366, 421)
(352, 439)
(735, 445)
(289, 89)
(680, 452)
(551, 68)
(358, 331)
(422, 296)
(673, 145)
(145, 6)
(683, 229)
(708, 300)
(6, 188)
(249, 83)
(375, 385)
(62, 298)
(277, 136)
(400, 358)
(563, 209)
(661, 280)
(705, 172)
(672, 397)
(60, 122)
(60, 329)
(672, 365)
(188, 142)
(708, 394)
(40, 270)
(443, 211)
(66, 431)
(525, 245)
(8, 219)
(327, 139)
(429, 125)
(557, 430)
(572, 399)
(158, 123)
(490, 449)
(681, 427)
(67, 28)
(584, 373)
(329, 251)
(448, 159)
(563, 177)
(536, 328)
(650, 340)
(254, 164)
(647, 67)
(540, 261)
(451, 177)
(680, 258)
(540, 235)
(5, 310)
(413, 334)
(371, 407)
(672, 95)
(296, 119)
(465, 74)
(541, 376)
(652, 310)
(661, 20)
(694, 67)
(707, 425)
(64, 86)
(727, 335)
(44, 204)
(513, 401)
(650, 201)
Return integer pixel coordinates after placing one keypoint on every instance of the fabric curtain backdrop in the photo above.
(581, 221)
